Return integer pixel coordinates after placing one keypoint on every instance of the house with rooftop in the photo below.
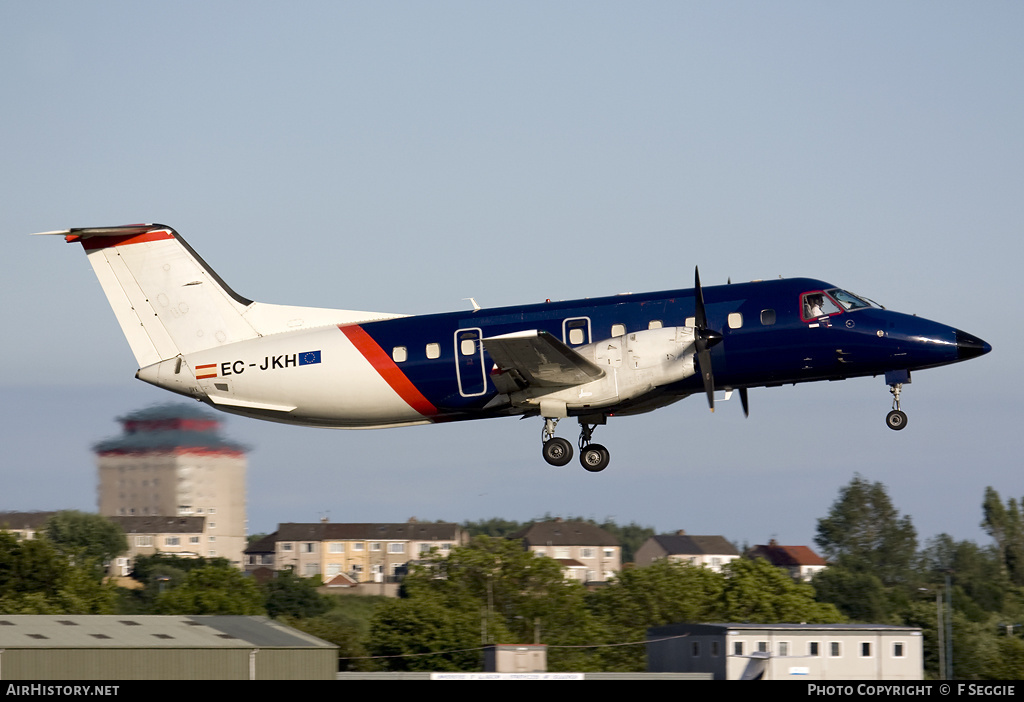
(799, 561)
(587, 553)
(708, 551)
(352, 552)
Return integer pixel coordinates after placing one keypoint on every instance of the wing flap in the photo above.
(540, 360)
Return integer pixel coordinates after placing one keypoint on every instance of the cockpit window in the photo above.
(817, 304)
(848, 300)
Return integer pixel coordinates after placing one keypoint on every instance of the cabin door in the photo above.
(469, 362)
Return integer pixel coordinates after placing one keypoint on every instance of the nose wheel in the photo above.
(897, 419)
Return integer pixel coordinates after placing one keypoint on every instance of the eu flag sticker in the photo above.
(307, 358)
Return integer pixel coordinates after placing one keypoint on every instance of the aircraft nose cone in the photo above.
(968, 346)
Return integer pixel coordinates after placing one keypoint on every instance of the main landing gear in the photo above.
(558, 451)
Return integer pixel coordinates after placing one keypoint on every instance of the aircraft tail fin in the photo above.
(166, 299)
(170, 303)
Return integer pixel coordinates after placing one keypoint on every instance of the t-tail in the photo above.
(170, 303)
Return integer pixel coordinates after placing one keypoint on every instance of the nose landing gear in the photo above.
(897, 419)
(558, 451)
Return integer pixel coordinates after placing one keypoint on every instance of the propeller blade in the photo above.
(744, 402)
(704, 358)
(703, 339)
(699, 315)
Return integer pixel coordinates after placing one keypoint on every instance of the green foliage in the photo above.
(349, 633)
(864, 533)
(212, 589)
(860, 596)
(877, 576)
(756, 591)
(492, 591)
(630, 536)
(404, 630)
(1006, 526)
(35, 578)
(144, 567)
(493, 527)
(83, 535)
(288, 594)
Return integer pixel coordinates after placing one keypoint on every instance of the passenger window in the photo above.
(655, 324)
(735, 320)
(433, 350)
(399, 354)
(767, 317)
(577, 331)
(618, 329)
(468, 347)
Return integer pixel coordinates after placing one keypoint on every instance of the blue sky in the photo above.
(404, 156)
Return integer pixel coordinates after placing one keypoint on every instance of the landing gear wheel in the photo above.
(594, 457)
(557, 451)
(896, 420)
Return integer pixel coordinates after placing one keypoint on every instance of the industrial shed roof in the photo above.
(150, 631)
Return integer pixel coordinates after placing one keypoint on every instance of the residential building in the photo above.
(24, 525)
(185, 537)
(709, 551)
(788, 651)
(799, 561)
(363, 553)
(174, 536)
(171, 461)
(586, 552)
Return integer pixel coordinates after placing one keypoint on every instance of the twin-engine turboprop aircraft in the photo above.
(589, 359)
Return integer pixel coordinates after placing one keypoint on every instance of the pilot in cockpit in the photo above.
(813, 306)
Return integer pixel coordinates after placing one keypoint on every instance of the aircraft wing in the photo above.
(535, 358)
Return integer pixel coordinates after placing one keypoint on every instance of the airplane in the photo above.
(589, 359)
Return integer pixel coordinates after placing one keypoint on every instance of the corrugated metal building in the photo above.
(111, 647)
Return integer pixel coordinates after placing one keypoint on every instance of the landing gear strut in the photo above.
(558, 451)
(593, 457)
(897, 419)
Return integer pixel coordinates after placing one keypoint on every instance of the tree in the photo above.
(84, 535)
(492, 591)
(864, 533)
(212, 590)
(36, 579)
(294, 596)
(1006, 526)
(858, 595)
(757, 591)
(639, 598)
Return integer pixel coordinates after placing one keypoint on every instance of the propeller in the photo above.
(704, 339)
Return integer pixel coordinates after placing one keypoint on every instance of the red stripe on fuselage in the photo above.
(92, 243)
(388, 369)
